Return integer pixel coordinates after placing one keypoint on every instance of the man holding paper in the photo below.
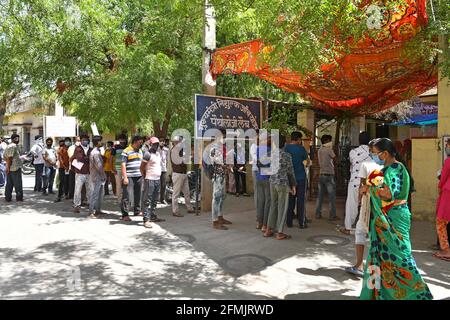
(81, 167)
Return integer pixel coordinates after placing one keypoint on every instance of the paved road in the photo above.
(47, 252)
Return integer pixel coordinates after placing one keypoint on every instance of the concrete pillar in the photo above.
(209, 88)
(305, 118)
(357, 125)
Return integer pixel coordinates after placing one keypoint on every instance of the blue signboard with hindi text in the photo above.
(212, 112)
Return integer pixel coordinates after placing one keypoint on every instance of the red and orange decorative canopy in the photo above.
(373, 76)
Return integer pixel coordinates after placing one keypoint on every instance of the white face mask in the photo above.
(78, 143)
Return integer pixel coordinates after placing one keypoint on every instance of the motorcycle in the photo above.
(192, 178)
(27, 164)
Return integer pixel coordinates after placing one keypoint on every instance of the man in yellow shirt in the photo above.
(109, 168)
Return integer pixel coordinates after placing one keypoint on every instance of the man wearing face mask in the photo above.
(117, 168)
(97, 178)
(63, 170)
(131, 177)
(71, 177)
(13, 170)
(49, 156)
(151, 171)
(327, 180)
(38, 162)
(81, 167)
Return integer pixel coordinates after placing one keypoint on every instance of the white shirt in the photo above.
(71, 150)
(153, 165)
(37, 151)
(357, 157)
(50, 153)
(367, 167)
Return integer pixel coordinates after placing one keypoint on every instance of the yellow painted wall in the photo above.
(427, 158)
(425, 164)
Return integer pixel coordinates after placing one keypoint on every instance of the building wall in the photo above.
(403, 133)
(427, 157)
(27, 124)
(425, 164)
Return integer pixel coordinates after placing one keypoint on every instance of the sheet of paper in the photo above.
(77, 164)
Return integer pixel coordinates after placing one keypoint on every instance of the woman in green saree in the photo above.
(391, 272)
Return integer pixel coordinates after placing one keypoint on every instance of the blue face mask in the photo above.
(377, 159)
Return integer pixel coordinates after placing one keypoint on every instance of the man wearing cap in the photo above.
(13, 170)
(151, 171)
(179, 178)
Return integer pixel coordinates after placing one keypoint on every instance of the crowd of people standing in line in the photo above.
(377, 214)
(281, 191)
(390, 263)
(137, 173)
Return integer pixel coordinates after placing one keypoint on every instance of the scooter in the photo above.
(192, 178)
(27, 164)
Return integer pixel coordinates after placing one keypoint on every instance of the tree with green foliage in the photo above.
(137, 63)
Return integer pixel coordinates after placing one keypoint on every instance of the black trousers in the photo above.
(38, 177)
(134, 186)
(71, 184)
(63, 183)
(241, 182)
(162, 186)
(110, 179)
(14, 181)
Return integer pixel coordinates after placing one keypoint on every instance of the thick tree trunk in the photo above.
(2, 116)
(3, 103)
(161, 131)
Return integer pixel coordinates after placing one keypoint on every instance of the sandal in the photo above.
(179, 215)
(283, 236)
(268, 233)
(441, 257)
(344, 231)
(258, 226)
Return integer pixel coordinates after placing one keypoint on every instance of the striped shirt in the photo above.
(133, 160)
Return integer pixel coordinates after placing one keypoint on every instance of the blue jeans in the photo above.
(300, 204)
(38, 177)
(49, 178)
(327, 183)
(218, 197)
(150, 198)
(263, 207)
